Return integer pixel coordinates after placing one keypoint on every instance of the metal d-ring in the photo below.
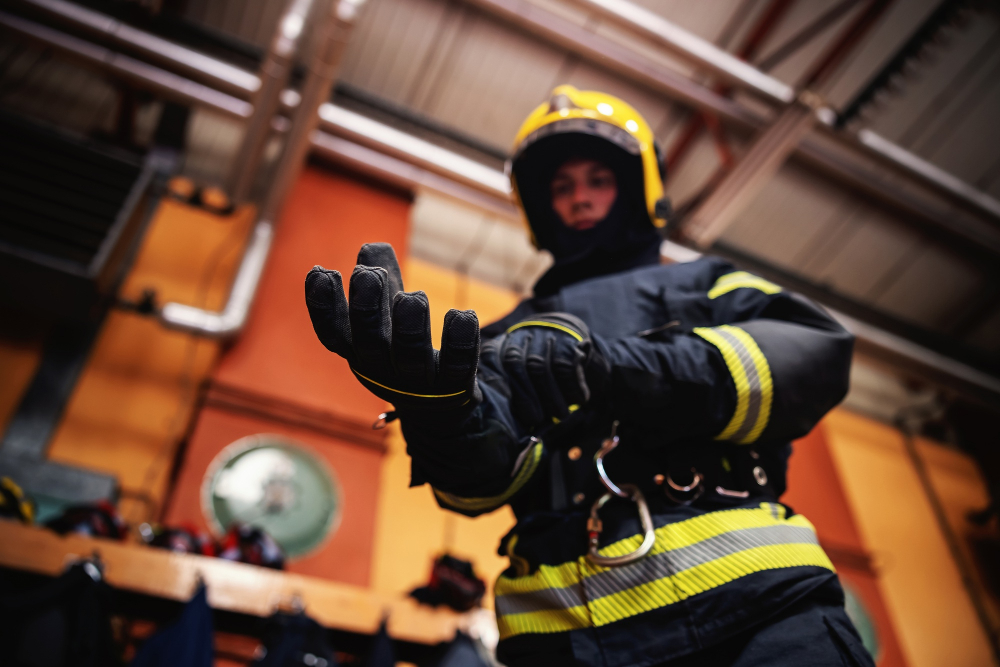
(695, 485)
(595, 526)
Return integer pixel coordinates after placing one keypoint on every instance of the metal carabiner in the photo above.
(629, 491)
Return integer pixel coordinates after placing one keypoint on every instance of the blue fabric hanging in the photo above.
(382, 653)
(188, 641)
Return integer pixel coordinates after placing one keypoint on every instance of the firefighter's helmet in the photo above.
(587, 124)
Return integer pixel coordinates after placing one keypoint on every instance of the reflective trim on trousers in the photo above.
(689, 557)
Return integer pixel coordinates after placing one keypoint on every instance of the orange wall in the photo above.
(278, 378)
(920, 581)
(816, 491)
(326, 221)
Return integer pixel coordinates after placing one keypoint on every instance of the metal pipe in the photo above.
(703, 54)
(849, 37)
(394, 142)
(403, 171)
(180, 59)
(334, 31)
(770, 150)
(273, 77)
(899, 351)
(136, 73)
(690, 47)
(755, 169)
(234, 315)
(815, 149)
(493, 187)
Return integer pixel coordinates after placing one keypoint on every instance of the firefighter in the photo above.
(684, 382)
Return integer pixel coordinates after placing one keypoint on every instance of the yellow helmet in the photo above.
(584, 121)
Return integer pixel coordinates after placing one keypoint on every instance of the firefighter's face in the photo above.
(583, 192)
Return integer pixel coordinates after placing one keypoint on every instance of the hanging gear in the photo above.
(98, 520)
(248, 544)
(551, 363)
(187, 641)
(295, 640)
(453, 583)
(14, 504)
(65, 622)
(381, 653)
(384, 334)
(462, 651)
(183, 539)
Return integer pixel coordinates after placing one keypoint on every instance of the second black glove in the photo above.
(551, 366)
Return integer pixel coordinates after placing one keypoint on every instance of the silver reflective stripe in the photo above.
(653, 568)
(753, 379)
(677, 560)
(547, 598)
(592, 126)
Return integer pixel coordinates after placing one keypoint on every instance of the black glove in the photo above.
(385, 335)
(551, 364)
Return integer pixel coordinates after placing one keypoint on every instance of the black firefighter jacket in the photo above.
(713, 372)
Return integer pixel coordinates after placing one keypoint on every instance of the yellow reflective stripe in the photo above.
(546, 576)
(547, 621)
(766, 384)
(550, 325)
(691, 531)
(752, 377)
(700, 578)
(732, 359)
(738, 279)
(646, 596)
(405, 393)
(669, 537)
(475, 504)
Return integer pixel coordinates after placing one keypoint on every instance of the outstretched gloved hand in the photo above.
(384, 334)
(551, 365)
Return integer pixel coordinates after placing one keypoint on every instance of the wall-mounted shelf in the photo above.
(232, 587)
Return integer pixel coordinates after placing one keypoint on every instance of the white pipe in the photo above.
(392, 141)
(233, 316)
(691, 47)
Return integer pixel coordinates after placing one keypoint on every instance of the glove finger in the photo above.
(328, 310)
(459, 356)
(568, 369)
(370, 320)
(383, 256)
(525, 402)
(539, 365)
(412, 349)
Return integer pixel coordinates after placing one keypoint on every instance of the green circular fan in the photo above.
(277, 485)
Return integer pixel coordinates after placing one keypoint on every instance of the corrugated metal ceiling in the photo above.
(456, 65)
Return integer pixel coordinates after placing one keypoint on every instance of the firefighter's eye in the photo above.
(604, 178)
(562, 187)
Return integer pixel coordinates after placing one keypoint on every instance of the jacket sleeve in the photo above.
(765, 366)
(480, 461)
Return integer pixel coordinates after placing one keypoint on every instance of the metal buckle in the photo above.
(695, 486)
(629, 491)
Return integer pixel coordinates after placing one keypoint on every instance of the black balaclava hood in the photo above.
(623, 240)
